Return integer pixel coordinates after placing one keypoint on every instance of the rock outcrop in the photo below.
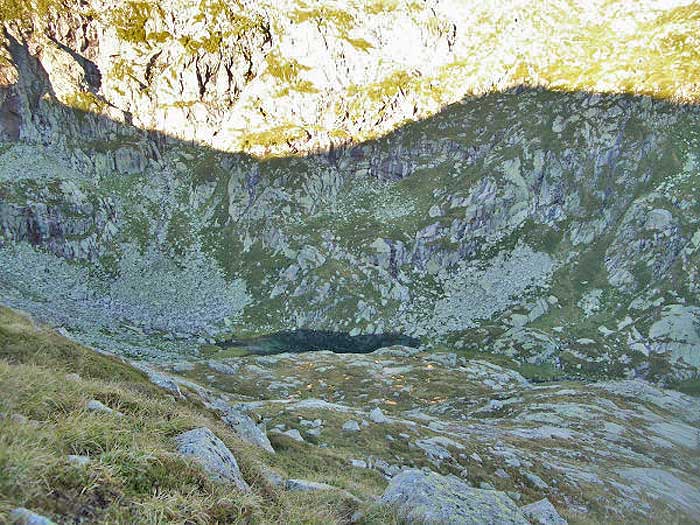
(205, 448)
(189, 182)
(22, 516)
(426, 497)
(542, 512)
(261, 76)
(434, 175)
(246, 428)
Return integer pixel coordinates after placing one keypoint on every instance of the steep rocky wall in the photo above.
(84, 235)
(506, 226)
(547, 225)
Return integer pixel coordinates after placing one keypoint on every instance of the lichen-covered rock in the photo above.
(351, 426)
(22, 516)
(205, 448)
(160, 379)
(98, 406)
(678, 331)
(273, 477)
(429, 498)
(377, 416)
(542, 512)
(534, 480)
(247, 430)
(294, 434)
(664, 484)
(436, 447)
(302, 485)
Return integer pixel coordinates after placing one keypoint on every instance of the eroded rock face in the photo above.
(539, 207)
(205, 448)
(586, 447)
(427, 497)
(72, 224)
(260, 77)
(301, 238)
(662, 482)
(678, 331)
(560, 228)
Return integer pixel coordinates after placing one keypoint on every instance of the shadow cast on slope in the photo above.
(459, 132)
(33, 91)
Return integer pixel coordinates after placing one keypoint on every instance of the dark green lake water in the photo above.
(314, 340)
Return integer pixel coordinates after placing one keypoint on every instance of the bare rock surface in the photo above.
(246, 428)
(542, 512)
(205, 448)
(426, 497)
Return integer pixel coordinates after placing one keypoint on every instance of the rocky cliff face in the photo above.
(292, 77)
(437, 169)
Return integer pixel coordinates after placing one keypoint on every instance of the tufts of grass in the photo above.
(24, 342)
(688, 386)
(133, 465)
(541, 373)
(134, 474)
(216, 352)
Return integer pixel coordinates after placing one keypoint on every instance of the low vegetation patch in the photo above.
(131, 473)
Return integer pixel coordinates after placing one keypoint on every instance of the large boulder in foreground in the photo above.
(431, 499)
(211, 453)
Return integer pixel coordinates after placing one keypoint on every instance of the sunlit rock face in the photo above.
(292, 77)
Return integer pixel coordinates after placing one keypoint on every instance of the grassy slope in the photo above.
(134, 475)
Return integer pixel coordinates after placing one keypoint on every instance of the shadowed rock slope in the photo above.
(548, 227)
